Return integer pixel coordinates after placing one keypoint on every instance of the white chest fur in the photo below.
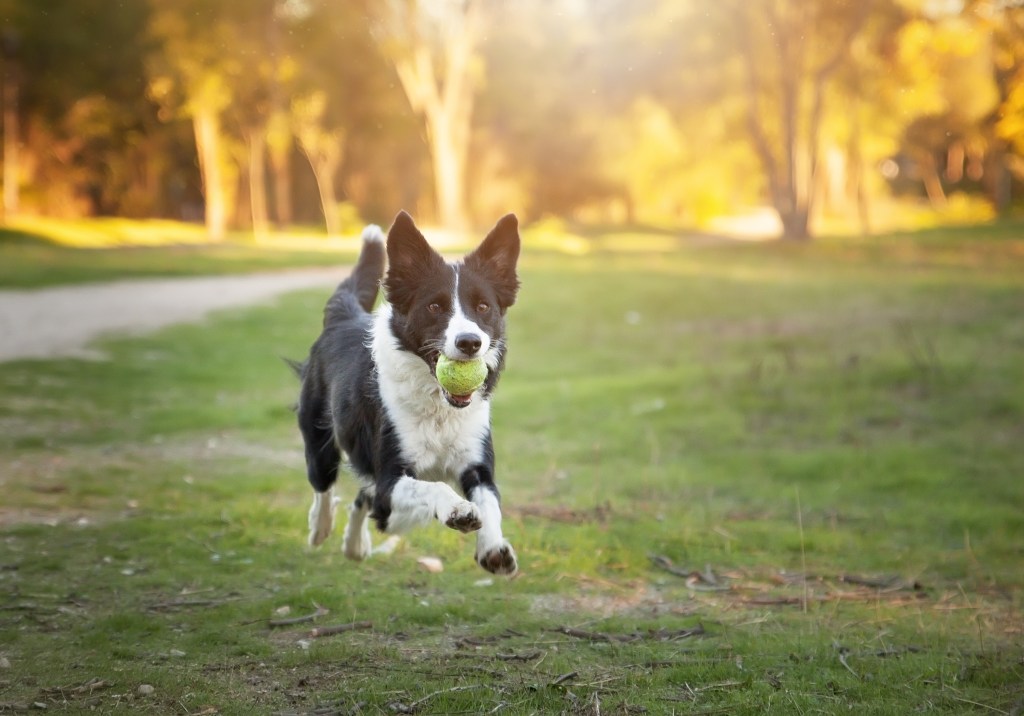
(438, 440)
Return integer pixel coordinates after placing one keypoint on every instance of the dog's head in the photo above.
(456, 309)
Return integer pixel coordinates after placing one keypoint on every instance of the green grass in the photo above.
(30, 260)
(785, 416)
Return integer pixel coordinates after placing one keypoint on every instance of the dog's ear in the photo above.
(409, 258)
(496, 258)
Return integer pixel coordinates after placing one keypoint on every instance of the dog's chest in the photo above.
(440, 445)
(438, 441)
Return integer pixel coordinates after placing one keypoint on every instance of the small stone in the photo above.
(145, 690)
(5, 663)
(431, 564)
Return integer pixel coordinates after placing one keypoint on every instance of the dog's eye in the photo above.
(483, 307)
(434, 308)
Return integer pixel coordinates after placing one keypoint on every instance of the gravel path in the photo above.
(64, 321)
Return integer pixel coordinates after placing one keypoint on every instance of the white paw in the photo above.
(321, 518)
(464, 517)
(357, 544)
(500, 559)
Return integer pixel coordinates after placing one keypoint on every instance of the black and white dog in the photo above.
(370, 397)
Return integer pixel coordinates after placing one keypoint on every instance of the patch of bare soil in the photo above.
(63, 321)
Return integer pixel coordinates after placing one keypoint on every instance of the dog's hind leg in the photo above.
(357, 544)
(321, 516)
(322, 461)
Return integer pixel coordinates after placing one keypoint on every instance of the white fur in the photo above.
(438, 440)
(415, 503)
(373, 234)
(489, 539)
(357, 544)
(321, 516)
(458, 324)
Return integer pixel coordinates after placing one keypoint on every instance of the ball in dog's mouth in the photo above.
(459, 379)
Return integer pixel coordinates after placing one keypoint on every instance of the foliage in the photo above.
(607, 111)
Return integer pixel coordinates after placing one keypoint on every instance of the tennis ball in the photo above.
(460, 377)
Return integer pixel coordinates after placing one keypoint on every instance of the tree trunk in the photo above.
(258, 181)
(444, 101)
(281, 166)
(795, 223)
(448, 155)
(932, 181)
(325, 163)
(11, 135)
(856, 177)
(776, 83)
(324, 171)
(207, 130)
(279, 148)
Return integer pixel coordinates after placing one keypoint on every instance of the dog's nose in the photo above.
(468, 343)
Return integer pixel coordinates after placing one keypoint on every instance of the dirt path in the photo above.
(64, 321)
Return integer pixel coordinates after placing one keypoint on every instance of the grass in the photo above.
(740, 480)
(40, 254)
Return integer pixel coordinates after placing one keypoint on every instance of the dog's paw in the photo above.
(464, 517)
(357, 546)
(499, 560)
(321, 519)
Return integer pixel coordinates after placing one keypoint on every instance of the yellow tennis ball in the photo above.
(460, 377)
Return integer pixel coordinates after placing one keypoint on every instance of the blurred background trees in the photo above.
(247, 114)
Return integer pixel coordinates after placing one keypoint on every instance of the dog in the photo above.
(370, 398)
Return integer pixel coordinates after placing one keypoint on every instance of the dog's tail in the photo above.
(357, 293)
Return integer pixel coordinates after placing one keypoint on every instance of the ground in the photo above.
(740, 479)
(65, 321)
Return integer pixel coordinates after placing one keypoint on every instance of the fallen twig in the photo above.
(595, 636)
(564, 677)
(528, 656)
(705, 581)
(88, 687)
(663, 562)
(659, 635)
(843, 651)
(320, 612)
(339, 629)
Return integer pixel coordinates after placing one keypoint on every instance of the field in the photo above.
(741, 479)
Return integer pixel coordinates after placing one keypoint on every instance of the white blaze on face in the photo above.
(461, 324)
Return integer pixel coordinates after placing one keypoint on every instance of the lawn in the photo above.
(741, 479)
(44, 253)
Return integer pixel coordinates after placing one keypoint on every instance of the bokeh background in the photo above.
(756, 117)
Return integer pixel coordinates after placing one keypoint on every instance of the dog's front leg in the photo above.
(493, 551)
(409, 503)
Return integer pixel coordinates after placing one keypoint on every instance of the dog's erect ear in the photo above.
(409, 257)
(496, 258)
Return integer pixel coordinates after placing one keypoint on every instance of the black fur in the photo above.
(340, 409)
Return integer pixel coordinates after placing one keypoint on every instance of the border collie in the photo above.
(370, 398)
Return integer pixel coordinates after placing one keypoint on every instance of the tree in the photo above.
(189, 75)
(432, 46)
(789, 50)
(324, 148)
(82, 137)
